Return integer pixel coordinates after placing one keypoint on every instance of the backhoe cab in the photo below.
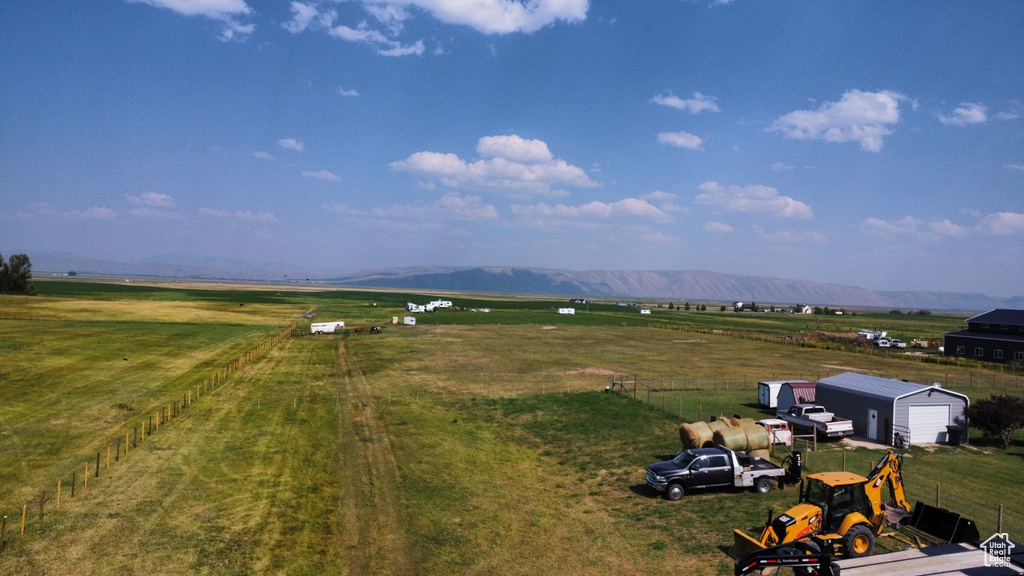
(839, 513)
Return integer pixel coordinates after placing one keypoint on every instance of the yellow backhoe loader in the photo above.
(839, 514)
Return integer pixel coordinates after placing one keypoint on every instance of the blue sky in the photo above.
(876, 144)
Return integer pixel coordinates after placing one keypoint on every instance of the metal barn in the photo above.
(882, 407)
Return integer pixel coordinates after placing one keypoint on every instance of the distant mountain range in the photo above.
(668, 285)
(679, 285)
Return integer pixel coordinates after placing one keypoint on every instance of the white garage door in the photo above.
(928, 424)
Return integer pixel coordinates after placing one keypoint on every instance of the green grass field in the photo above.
(473, 442)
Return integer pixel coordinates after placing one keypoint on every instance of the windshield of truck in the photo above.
(684, 459)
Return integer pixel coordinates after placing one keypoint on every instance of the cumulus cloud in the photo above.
(1004, 223)
(302, 16)
(1015, 166)
(230, 13)
(385, 46)
(718, 228)
(858, 116)
(508, 162)
(681, 140)
(498, 16)
(262, 155)
(966, 114)
(344, 92)
(753, 199)
(290, 144)
(699, 103)
(153, 199)
(321, 175)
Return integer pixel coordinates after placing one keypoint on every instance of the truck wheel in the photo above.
(859, 541)
(675, 491)
(763, 485)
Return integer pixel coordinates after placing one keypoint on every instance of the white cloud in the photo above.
(1015, 166)
(699, 103)
(416, 48)
(681, 140)
(515, 148)
(968, 113)
(1004, 223)
(625, 208)
(290, 144)
(262, 155)
(859, 116)
(509, 163)
(148, 212)
(227, 12)
(302, 16)
(385, 46)
(753, 199)
(790, 237)
(910, 226)
(154, 199)
(321, 175)
(780, 167)
(718, 228)
(345, 92)
(94, 213)
(498, 16)
(659, 195)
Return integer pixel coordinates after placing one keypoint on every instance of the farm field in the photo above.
(476, 443)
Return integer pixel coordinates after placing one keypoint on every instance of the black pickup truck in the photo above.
(719, 467)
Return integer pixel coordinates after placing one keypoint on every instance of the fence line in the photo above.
(164, 414)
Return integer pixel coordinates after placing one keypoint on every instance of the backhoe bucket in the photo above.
(743, 545)
(942, 524)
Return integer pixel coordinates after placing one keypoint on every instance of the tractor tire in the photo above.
(859, 541)
(763, 485)
(675, 491)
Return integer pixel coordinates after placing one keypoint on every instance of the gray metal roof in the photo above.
(882, 388)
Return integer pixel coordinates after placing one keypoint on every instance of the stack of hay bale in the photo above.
(739, 434)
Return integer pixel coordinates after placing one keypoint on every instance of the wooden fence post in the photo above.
(24, 512)
(58, 496)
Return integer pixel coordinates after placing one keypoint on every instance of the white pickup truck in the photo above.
(813, 416)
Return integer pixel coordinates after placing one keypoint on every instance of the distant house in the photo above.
(882, 407)
(579, 301)
(805, 310)
(995, 336)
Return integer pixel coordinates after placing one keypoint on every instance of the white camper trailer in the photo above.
(326, 327)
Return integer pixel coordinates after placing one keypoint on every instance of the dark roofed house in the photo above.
(995, 336)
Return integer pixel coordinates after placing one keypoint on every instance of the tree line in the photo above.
(16, 275)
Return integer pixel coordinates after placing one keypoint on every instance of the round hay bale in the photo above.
(733, 438)
(762, 454)
(739, 422)
(717, 425)
(696, 435)
(757, 437)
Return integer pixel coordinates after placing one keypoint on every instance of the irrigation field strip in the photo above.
(162, 416)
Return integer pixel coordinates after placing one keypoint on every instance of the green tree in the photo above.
(16, 275)
(722, 308)
(671, 306)
(686, 306)
(997, 416)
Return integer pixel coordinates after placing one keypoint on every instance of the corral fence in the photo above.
(116, 449)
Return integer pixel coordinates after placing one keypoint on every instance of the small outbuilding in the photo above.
(794, 392)
(880, 408)
(768, 391)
